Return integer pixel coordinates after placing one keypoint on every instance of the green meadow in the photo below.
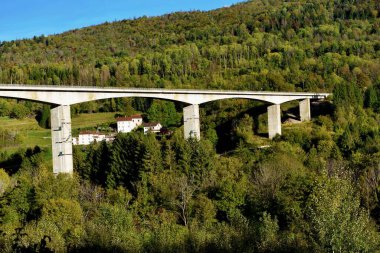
(31, 134)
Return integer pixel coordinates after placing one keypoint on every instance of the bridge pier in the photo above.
(61, 139)
(305, 113)
(274, 120)
(191, 122)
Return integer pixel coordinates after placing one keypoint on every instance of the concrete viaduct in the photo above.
(64, 96)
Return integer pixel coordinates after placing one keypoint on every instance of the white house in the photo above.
(153, 127)
(87, 137)
(127, 124)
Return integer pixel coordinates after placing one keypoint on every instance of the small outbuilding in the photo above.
(88, 137)
(152, 127)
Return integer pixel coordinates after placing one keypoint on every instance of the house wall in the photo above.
(85, 139)
(125, 126)
(154, 129)
(137, 121)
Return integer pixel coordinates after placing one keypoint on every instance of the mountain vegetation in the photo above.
(314, 189)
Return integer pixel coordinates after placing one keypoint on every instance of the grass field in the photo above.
(34, 135)
(92, 119)
(30, 132)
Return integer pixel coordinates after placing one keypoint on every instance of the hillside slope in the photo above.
(315, 188)
(260, 44)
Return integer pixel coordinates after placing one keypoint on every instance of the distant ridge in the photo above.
(255, 45)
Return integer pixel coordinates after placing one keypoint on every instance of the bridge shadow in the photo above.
(12, 163)
(321, 108)
(317, 108)
(227, 140)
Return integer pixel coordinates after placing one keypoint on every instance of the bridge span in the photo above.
(64, 96)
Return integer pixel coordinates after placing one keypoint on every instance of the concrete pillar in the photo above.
(305, 113)
(274, 121)
(62, 148)
(191, 121)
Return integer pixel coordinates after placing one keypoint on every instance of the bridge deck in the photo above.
(77, 94)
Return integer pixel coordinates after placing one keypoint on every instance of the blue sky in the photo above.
(27, 18)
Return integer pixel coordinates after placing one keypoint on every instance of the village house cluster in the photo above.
(124, 125)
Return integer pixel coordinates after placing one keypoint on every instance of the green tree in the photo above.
(44, 117)
(19, 111)
(244, 129)
(164, 112)
(5, 181)
(268, 230)
(128, 166)
(64, 215)
(338, 222)
(371, 99)
(112, 228)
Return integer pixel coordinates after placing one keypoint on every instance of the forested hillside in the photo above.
(269, 45)
(316, 188)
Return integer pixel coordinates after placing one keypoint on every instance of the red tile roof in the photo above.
(89, 132)
(136, 116)
(150, 124)
(124, 119)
